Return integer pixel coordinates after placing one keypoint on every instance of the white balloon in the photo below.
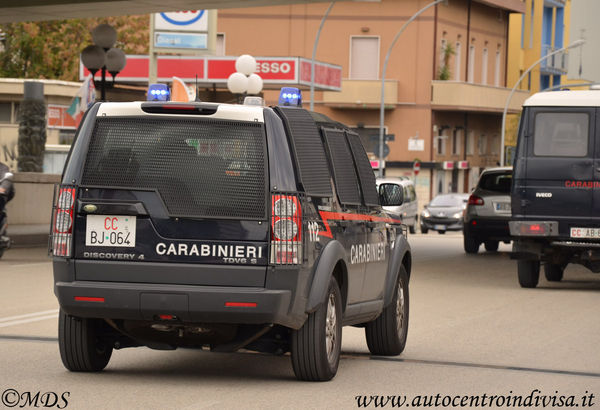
(255, 84)
(237, 83)
(245, 64)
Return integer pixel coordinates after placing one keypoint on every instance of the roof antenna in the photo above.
(197, 98)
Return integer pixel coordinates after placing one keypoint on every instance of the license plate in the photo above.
(439, 227)
(585, 233)
(502, 206)
(110, 230)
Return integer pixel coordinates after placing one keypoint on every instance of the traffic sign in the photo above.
(386, 150)
(416, 167)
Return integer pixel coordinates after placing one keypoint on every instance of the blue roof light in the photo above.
(158, 92)
(290, 97)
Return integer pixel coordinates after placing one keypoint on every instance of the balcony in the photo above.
(458, 96)
(362, 94)
(558, 64)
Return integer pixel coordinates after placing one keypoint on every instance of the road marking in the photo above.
(41, 313)
(29, 338)
(28, 318)
(486, 366)
(28, 265)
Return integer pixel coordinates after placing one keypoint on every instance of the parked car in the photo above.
(444, 213)
(205, 225)
(555, 194)
(400, 200)
(488, 211)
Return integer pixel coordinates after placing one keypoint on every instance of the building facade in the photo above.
(445, 86)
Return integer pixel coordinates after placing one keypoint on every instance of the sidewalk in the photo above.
(28, 235)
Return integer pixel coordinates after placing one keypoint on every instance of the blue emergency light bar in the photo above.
(158, 92)
(290, 97)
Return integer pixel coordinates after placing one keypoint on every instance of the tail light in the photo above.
(475, 200)
(286, 230)
(62, 221)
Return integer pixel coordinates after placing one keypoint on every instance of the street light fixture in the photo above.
(574, 44)
(387, 57)
(245, 80)
(103, 56)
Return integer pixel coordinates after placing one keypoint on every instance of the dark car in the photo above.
(444, 213)
(224, 227)
(488, 211)
(555, 195)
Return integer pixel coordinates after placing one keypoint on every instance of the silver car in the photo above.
(488, 211)
(401, 200)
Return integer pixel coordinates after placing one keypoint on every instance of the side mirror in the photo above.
(391, 195)
(8, 176)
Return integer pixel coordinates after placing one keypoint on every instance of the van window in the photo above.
(561, 134)
(200, 167)
(496, 182)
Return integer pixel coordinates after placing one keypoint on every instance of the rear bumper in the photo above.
(194, 304)
(488, 228)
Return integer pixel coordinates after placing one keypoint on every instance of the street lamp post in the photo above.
(576, 43)
(387, 57)
(103, 56)
(314, 54)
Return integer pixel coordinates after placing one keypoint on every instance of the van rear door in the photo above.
(559, 166)
(174, 188)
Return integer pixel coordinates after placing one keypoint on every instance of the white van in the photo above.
(400, 199)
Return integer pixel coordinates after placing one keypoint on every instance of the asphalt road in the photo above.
(472, 331)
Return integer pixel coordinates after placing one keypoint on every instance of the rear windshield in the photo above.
(448, 201)
(496, 182)
(561, 134)
(200, 167)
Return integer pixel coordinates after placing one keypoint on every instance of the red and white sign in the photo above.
(59, 118)
(416, 167)
(375, 164)
(448, 165)
(463, 164)
(275, 71)
(190, 20)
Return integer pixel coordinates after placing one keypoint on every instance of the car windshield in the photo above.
(496, 182)
(447, 201)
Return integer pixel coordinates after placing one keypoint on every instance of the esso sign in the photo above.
(273, 67)
(183, 18)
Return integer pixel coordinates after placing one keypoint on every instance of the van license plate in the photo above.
(439, 227)
(110, 230)
(585, 233)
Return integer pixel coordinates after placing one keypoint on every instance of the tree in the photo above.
(50, 49)
(444, 71)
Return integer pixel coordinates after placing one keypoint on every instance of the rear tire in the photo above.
(81, 348)
(470, 244)
(442, 232)
(412, 229)
(316, 346)
(424, 230)
(491, 246)
(553, 272)
(529, 273)
(386, 335)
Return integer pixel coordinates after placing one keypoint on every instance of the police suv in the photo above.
(555, 196)
(224, 227)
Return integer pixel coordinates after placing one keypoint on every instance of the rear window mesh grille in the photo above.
(346, 181)
(200, 167)
(308, 148)
(365, 172)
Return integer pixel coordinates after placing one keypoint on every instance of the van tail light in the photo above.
(475, 200)
(286, 230)
(62, 221)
